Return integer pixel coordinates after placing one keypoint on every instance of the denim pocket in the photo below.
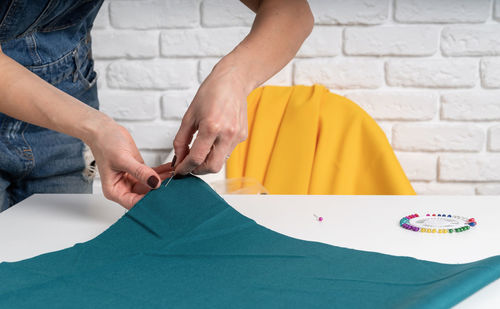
(86, 74)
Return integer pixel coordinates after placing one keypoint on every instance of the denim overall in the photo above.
(51, 38)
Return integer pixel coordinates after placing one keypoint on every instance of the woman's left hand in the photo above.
(125, 178)
(219, 113)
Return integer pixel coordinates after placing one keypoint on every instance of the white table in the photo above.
(45, 223)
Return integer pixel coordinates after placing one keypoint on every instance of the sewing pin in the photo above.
(168, 181)
(173, 172)
(318, 218)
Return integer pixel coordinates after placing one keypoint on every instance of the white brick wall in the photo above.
(490, 72)
(340, 73)
(432, 73)
(471, 41)
(391, 41)
(427, 70)
(442, 11)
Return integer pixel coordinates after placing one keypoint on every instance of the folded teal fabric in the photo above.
(183, 246)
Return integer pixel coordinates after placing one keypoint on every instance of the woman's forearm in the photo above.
(26, 97)
(279, 29)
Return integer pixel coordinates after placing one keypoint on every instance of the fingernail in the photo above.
(173, 160)
(152, 182)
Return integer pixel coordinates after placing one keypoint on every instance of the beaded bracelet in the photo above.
(439, 223)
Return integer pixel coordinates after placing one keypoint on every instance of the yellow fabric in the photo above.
(307, 140)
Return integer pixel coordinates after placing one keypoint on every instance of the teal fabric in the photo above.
(182, 246)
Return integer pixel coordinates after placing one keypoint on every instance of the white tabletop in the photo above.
(45, 223)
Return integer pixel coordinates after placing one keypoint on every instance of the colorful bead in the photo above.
(405, 223)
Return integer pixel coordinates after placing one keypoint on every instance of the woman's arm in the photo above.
(279, 29)
(218, 110)
(25, 96)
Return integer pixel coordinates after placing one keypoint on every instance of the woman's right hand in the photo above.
(124, 176)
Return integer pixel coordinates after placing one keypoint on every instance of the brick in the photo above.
(323, 41)
(469, 167)
(387, 128)
(175, 103)
(102, 19)
(470, 105)
(418, 167)
(343, 74)
(101, 66)
(442, 11)
(129, 105)
(152, 74)
(481, 40)
(397, 105)
(488, 189)
(201, 42)
(120, 44)
(152, 14)
(494, 138)
(153, 135)
(205, 67)
(437, 137)
(432, 73)
(490, 72)
(497, 10)
(434, 188)
(151, 157)
(282, 78)
(223, 13)
(338, 12)
(391, 41)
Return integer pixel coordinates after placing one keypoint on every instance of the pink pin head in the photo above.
(318, 218)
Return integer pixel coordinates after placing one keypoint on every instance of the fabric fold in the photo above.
(307, 140)
(187, 248)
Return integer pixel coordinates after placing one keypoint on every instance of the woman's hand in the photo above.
(124, 176)
(219, 113)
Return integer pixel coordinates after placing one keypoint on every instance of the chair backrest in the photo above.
(307, 140)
